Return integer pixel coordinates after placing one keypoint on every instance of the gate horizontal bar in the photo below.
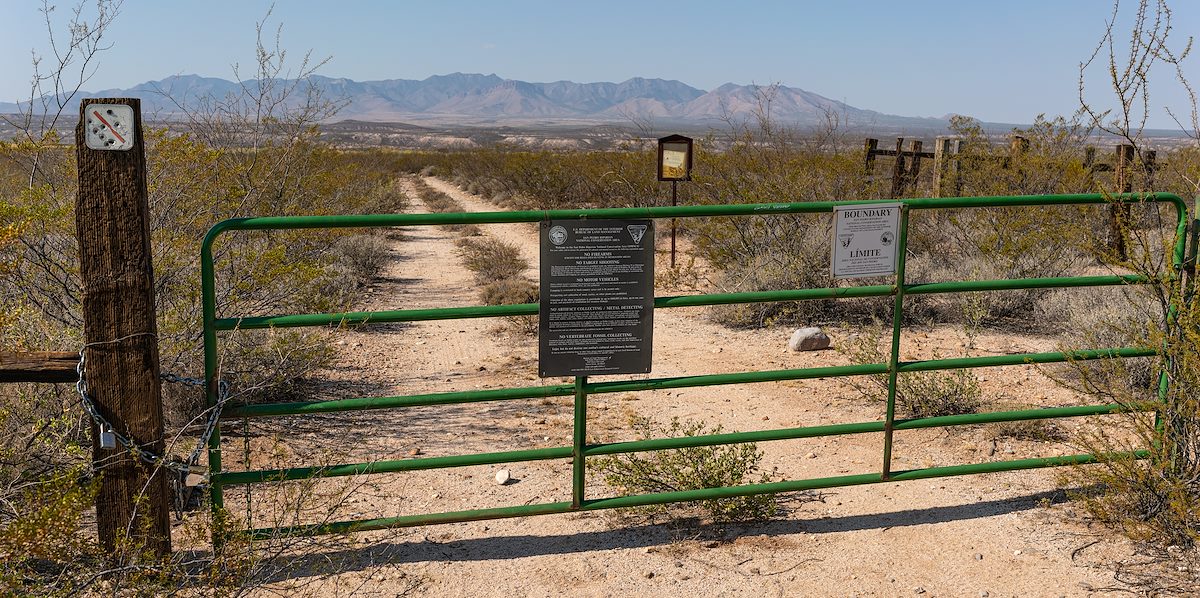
(693, 211)
(531, 309)
(533, 392)
(592, 450)
(859, 428)
(686, 495)
(421, 400)
(230, 478)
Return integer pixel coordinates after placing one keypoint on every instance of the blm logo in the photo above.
(637, 231)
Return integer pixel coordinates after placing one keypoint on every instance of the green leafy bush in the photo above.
(691, 468)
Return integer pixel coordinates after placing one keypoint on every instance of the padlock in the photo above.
(108, 440)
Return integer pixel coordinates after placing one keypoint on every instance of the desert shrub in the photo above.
(498, 268)
(491, 259)
(1038, 430)
(513, 291)
(918, 394)
(509, 291)
(361, 256)
(1155, 500)
(691, 468)
(1101, 318)
(387, 198)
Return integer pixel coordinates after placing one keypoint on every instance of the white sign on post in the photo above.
(865, 239)
(109, 127)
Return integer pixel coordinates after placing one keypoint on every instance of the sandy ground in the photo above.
(1006, 534)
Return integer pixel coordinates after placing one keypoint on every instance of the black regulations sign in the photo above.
(597, 297)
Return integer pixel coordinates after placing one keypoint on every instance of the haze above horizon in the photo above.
(997, 62)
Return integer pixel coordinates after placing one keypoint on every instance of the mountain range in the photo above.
(492, 99)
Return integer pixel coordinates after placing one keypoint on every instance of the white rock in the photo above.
(503, 476)
(808, 339)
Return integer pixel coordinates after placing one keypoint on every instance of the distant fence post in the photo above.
(898, 169)
(914, 169)
(869, 146)
(113, 225)
(946, 166)
(1118, 212)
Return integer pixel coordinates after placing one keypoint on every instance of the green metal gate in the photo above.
(580, 449)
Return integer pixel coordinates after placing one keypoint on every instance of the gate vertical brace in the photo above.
(208, 303)
(112, 221)
(894, 357)
(579, 442)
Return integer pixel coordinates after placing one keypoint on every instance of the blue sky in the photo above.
(999, 61)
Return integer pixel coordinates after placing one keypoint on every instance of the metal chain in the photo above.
(181, 468)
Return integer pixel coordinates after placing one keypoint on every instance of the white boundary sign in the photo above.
(865, 238)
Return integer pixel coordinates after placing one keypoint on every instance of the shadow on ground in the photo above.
(500, 548)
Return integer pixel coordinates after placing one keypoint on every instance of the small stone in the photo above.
(755, 570)
(810, 456)
(437, 494)
(1016, 553)
(918, 590)
(1182, 569)
(984, 594)
(483, 368)
(766, 418)
(679, 564)
(712, 544)
(808, 339)
(1087, 587)
(648, 575)
(503, 476)
(413, 452)
(978, 556)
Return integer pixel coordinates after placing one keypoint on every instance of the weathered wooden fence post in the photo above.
(914, 168)
(898, 170)
(113, 225)
(946, 166)
(1118, 213)
(869, 146)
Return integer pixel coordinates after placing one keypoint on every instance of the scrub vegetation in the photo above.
(262, 154)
